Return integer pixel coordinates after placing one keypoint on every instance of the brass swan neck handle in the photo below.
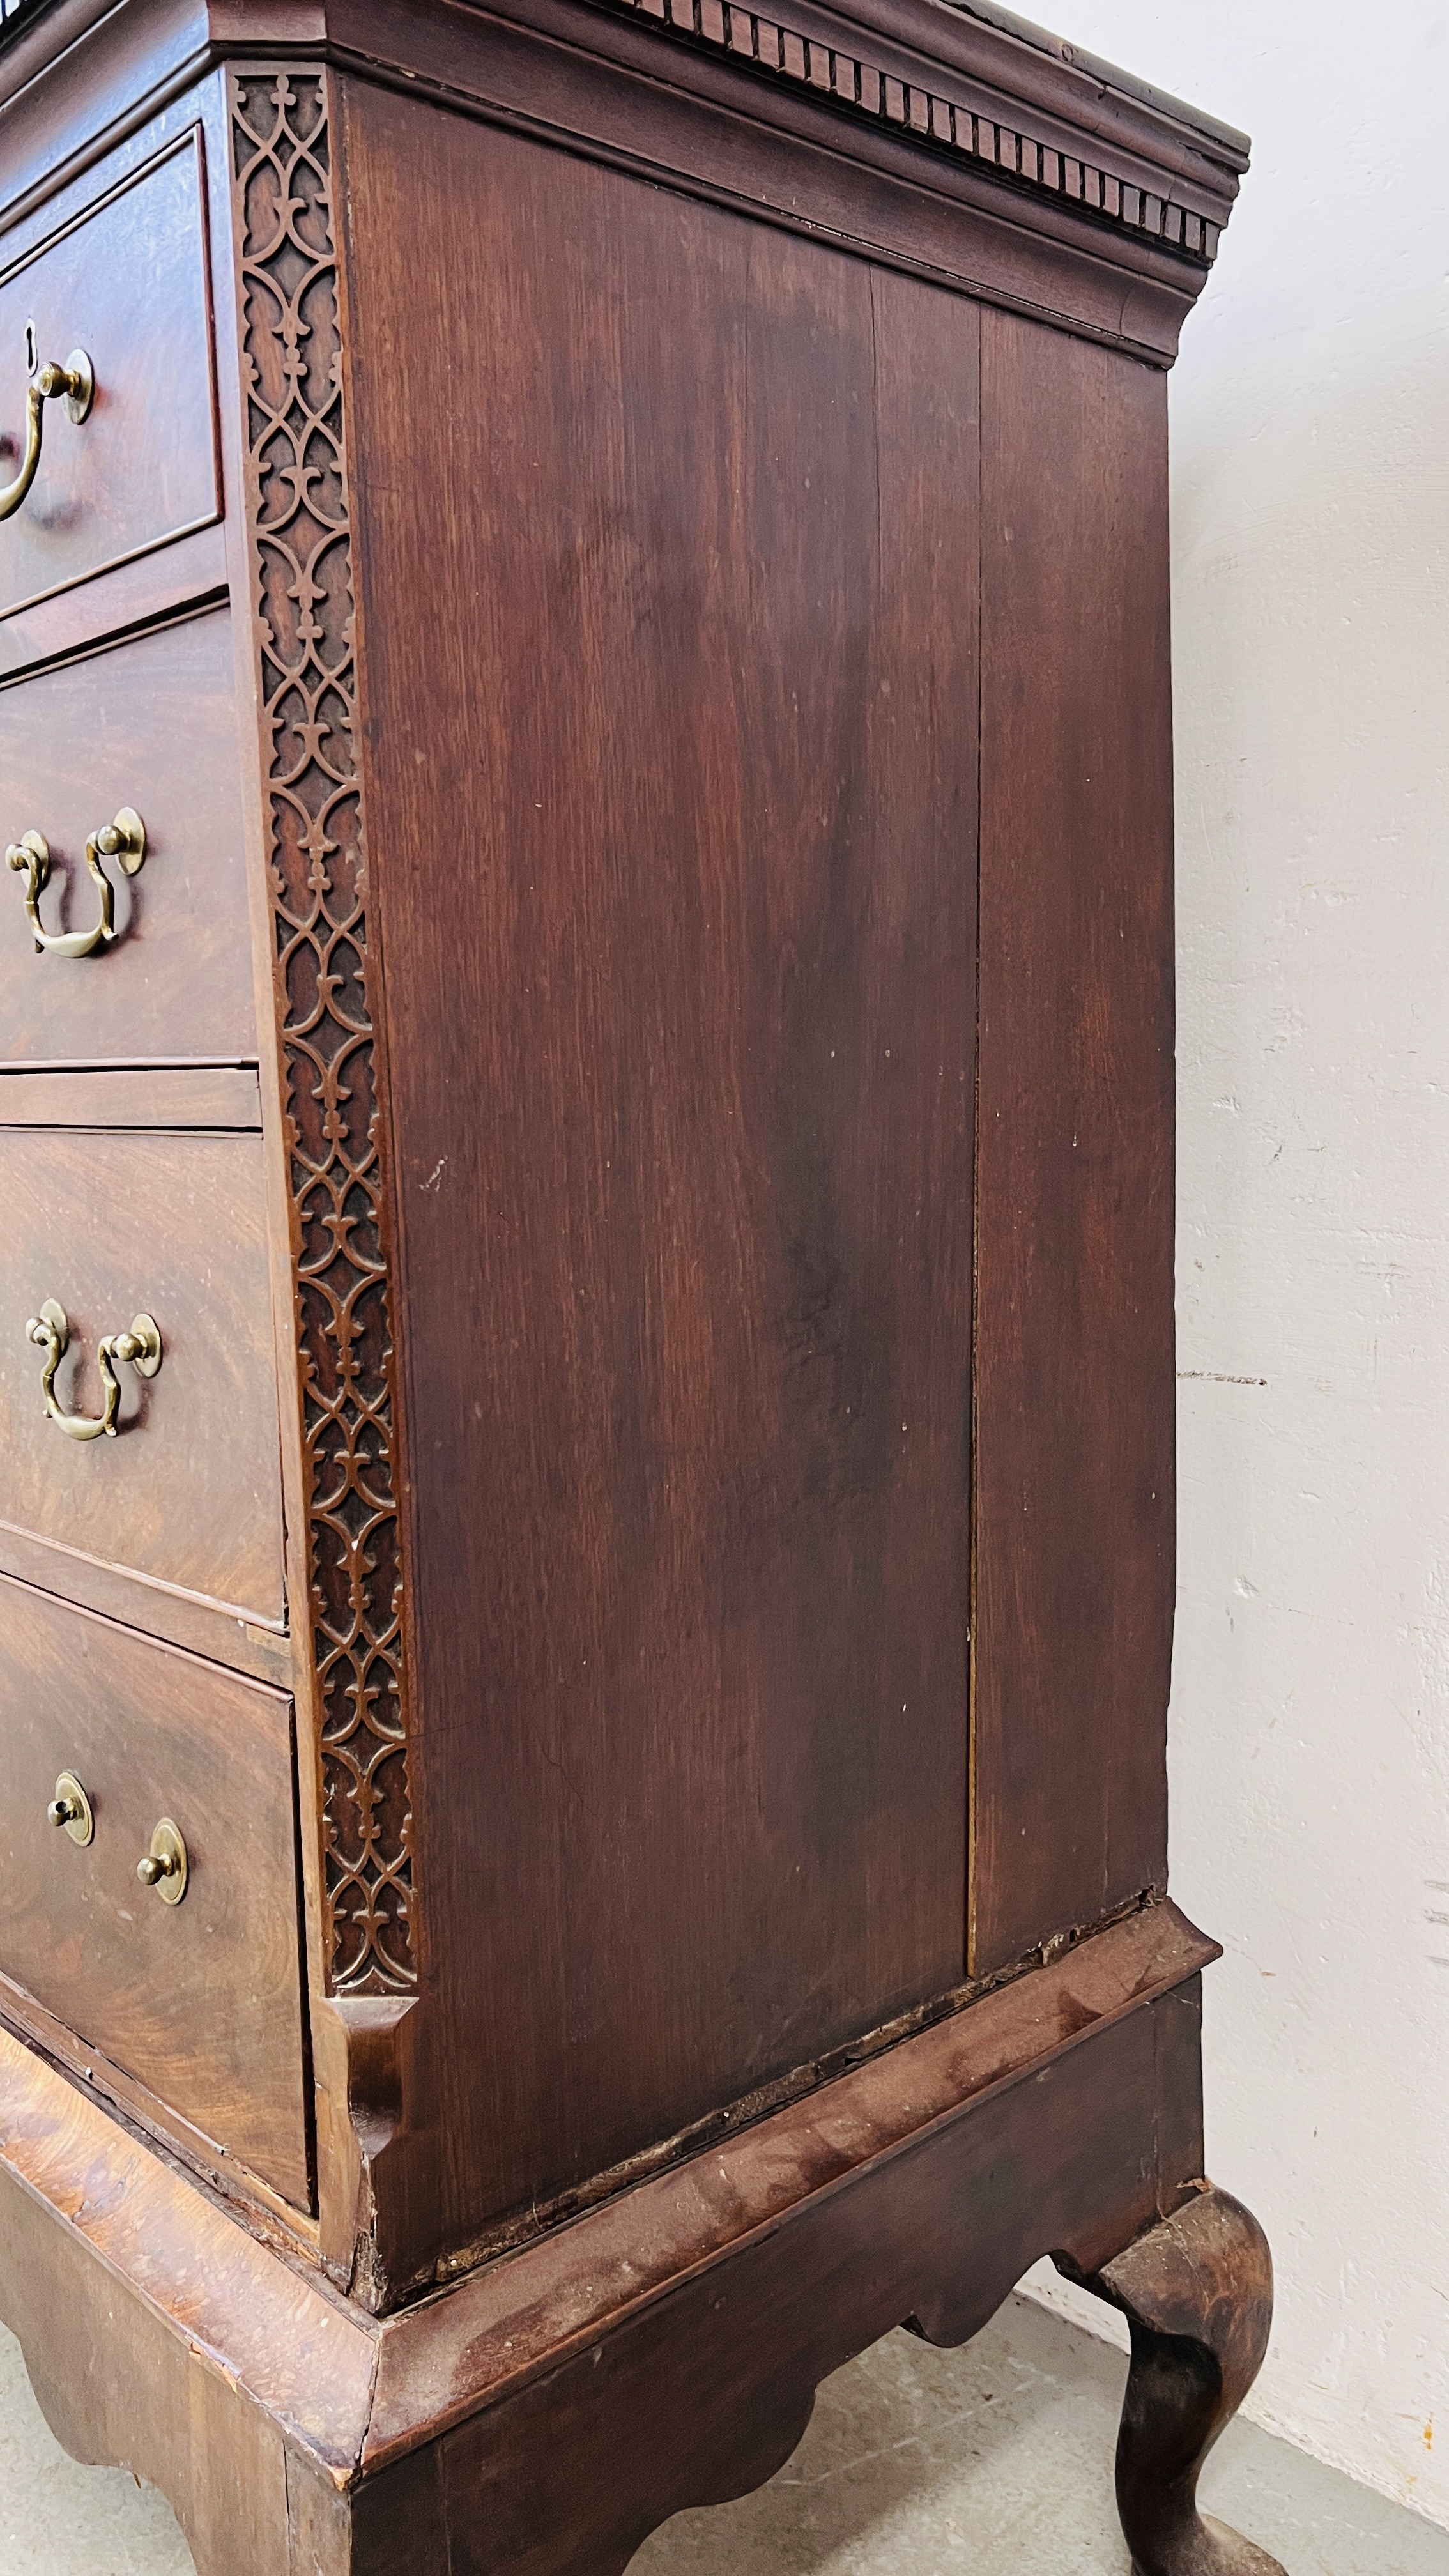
(48, 383)
(123, 839)
(139, 1349)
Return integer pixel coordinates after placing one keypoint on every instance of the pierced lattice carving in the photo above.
(303, 601)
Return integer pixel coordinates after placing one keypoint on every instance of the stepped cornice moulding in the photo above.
(1167, 202)
(968, 88)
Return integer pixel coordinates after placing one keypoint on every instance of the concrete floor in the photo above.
(996, 2460)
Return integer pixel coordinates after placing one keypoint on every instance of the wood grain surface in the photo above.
(700, 2397)
(671, 778)
(200, 2001)
(1197, 2293)
(215, 1629)
(798, 150)
(132, 595)
(161, 2334)
(546, 2414)
(112, 1225)
(129, 286)
(1075, 1491)
(509, 2323)
(260, 2203)
(175, 1096)
(151, 724)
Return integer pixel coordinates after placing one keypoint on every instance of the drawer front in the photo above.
(201, 2001)
(108, 1226)
(128, 285)
(150, 726)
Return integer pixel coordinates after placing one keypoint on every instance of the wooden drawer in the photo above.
(201, 2002)
(127, 283)
(150, 725)
(109, 1225)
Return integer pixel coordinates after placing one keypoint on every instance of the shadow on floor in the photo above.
(996, 2459)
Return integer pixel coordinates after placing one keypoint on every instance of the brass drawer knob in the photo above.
(139, 1349)
(75, 381)
(70, 1809)
(123, 839)
(164, 1866)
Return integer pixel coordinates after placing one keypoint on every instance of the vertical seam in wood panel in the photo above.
(309, 2077)
(972, 1805)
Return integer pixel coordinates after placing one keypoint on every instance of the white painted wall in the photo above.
(1310, 1713)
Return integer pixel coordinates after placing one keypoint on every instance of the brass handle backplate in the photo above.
(70, 1810)
(76, 382)
(123, 839)
(139, 1349)
(165, 1866)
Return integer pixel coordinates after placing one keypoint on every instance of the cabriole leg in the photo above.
(1197, 2293)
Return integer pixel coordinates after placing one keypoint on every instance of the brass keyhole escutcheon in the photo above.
(70, 1810)
(164, 1866)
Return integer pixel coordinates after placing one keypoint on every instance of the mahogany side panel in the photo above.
(670, 685)
(798, 151)
(1075, 1393)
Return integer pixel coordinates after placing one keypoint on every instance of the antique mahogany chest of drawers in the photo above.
(586, 1389)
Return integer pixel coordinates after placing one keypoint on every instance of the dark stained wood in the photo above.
(1075, 1394)
(685, 1167)
(731, 137)
(186, 1619)
(611, 707)
(339, 1326)
(627, 92)
(548, 2413)
(205, 1096)
(506, 2325)
(160, 2334)
(112, 1225)
(1197, 2293)
(920, 2186)
(240, 2185)
(133, 594)
(1061, 93)
(702, 2396)
(152, 725)
(721, 129)
(128, 284)
(200, 2001)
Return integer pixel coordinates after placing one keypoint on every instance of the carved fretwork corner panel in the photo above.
(303, 601)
